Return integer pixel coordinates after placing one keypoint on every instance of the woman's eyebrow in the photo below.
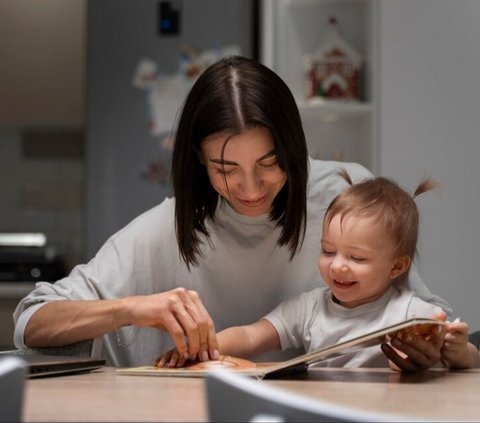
(266, 156)
(228, 162)
(223, 162)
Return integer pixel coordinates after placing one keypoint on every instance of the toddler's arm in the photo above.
(246, 341)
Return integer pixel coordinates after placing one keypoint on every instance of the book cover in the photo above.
(417, 326)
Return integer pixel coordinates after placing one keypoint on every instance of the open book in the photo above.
(418, 326)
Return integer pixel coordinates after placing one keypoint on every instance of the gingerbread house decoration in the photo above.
(333, 69)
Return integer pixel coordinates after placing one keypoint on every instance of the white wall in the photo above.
(430, 125)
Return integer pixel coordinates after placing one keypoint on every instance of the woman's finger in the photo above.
(424, 353)
(173, 359)
(437, 337)
(176, 331)
(402, 363)
(208, 343)
(189, 327)
(163, 359)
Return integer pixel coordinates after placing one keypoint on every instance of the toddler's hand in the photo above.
(455, 343)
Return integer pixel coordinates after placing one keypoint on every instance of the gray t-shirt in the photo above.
(312, 320)
(242, 275)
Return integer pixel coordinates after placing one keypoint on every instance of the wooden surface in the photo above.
(105, 396)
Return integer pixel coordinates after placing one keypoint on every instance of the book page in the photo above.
(198, 368)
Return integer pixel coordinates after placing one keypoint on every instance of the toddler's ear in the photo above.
(400, 266)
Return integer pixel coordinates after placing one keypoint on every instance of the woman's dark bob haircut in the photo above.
(231, 96)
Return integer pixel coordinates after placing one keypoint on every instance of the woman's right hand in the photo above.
(171, 359)
(181, 313)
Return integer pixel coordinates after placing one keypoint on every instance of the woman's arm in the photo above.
(179, 312)
(59, 323)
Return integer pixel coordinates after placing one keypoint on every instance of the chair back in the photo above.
(13, 372)
(474, 338)
(236, 398)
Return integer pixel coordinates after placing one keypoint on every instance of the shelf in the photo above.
(306, 3)
(292, 30)
(333, 111)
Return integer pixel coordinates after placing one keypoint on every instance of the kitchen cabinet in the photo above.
(290, 30)
(42, 72)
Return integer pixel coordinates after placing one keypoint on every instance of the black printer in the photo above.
(28, 257)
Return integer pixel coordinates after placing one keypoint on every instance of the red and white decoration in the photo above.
(333, 70)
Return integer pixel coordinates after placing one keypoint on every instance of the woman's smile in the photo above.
(253, 203)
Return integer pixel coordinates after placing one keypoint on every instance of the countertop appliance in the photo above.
(28, 257)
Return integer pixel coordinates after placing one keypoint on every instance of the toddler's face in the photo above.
(357, 260)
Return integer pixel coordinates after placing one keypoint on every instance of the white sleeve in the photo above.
(291, 318)
(420, 308)
(415, 283)
(122, 267)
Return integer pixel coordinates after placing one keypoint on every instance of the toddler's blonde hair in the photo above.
(385, 200)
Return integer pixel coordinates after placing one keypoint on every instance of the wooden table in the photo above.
(105, 396)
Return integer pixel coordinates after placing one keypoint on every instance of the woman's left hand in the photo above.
(418, 353)
(414, 353)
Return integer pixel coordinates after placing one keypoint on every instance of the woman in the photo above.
(241, 235)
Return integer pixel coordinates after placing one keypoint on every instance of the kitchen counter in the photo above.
(15, 290)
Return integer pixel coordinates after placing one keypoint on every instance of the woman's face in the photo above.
(248, 175)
